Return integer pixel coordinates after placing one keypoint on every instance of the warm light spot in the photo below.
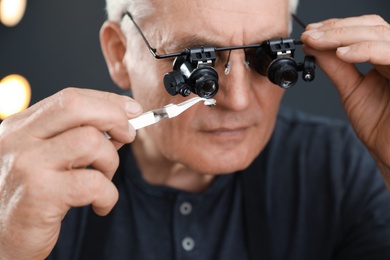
(15, 95)
(12, 11)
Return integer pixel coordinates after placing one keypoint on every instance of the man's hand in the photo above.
(44, 154)
(339, 43)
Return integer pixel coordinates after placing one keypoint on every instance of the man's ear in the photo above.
(113, 44)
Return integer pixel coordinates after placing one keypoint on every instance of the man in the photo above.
(234, 181)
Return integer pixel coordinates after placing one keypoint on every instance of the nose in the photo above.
(235, 87)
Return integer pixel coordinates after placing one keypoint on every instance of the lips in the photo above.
(227, 133)
(230, 124)
(225, 129)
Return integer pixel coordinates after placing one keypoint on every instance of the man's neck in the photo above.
(157, 170)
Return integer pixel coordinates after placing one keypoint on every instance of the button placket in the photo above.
(186, 233)
(188, 243)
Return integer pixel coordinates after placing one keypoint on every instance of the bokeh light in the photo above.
(15, 95)
(12, 11)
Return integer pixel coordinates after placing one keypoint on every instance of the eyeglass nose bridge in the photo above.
(228, 65)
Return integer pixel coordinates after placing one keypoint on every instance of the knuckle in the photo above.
(95, 184)
(109, 96)
(369, 46)
(375, 18)
(341, 31)
(383, 31)
(333, 22)
(69, 99)
(88, 138)
(7, 123)
(9, 127)
(86, 186)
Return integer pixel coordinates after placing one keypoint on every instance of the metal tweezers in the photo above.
(168, 111)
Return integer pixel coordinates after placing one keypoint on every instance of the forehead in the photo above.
(218, 22)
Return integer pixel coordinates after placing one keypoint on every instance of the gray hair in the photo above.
(140, 8)
(116, 8)
(293, 6)
(293, 10)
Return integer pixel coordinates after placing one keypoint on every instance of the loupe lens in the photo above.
(283, 72)
(205, 82)
(207, 88)
(288, 78)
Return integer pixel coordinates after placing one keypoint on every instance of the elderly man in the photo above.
(239, 180)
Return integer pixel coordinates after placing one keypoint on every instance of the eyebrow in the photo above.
(191, 41)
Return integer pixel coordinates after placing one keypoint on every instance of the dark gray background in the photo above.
(56, 45)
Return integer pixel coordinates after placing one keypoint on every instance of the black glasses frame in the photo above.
(186, 51)
(193, 68)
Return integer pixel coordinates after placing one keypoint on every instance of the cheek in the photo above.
(182, 139)
(173, 138)
(269, 100)
(146, 79)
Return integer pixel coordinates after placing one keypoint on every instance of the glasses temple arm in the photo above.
(151, 49)
(299, 21)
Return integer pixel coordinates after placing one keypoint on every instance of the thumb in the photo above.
(345, 76)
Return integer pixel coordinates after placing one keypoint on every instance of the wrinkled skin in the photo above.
(204, 141)
(44, 151)
(337, 44)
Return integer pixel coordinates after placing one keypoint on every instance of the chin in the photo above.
(224, 164)
(222, 169)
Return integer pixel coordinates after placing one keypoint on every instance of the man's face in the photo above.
(226, 137)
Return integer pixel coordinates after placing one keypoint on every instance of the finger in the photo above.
(364, 97)
(121, 100)
(343, 74)
(344, 36)
(118, 99)
(71, 108)
(81, 187)
(78, 148)
(116, 144)
(373, 52)
(364, 20)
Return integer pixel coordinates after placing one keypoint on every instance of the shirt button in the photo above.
(188, 243)
(185, 208)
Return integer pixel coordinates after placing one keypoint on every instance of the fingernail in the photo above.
(343, 50)
(314, 34)
(315, 25)
(132, 107)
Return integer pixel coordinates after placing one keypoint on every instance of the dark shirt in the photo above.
(315, 193)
